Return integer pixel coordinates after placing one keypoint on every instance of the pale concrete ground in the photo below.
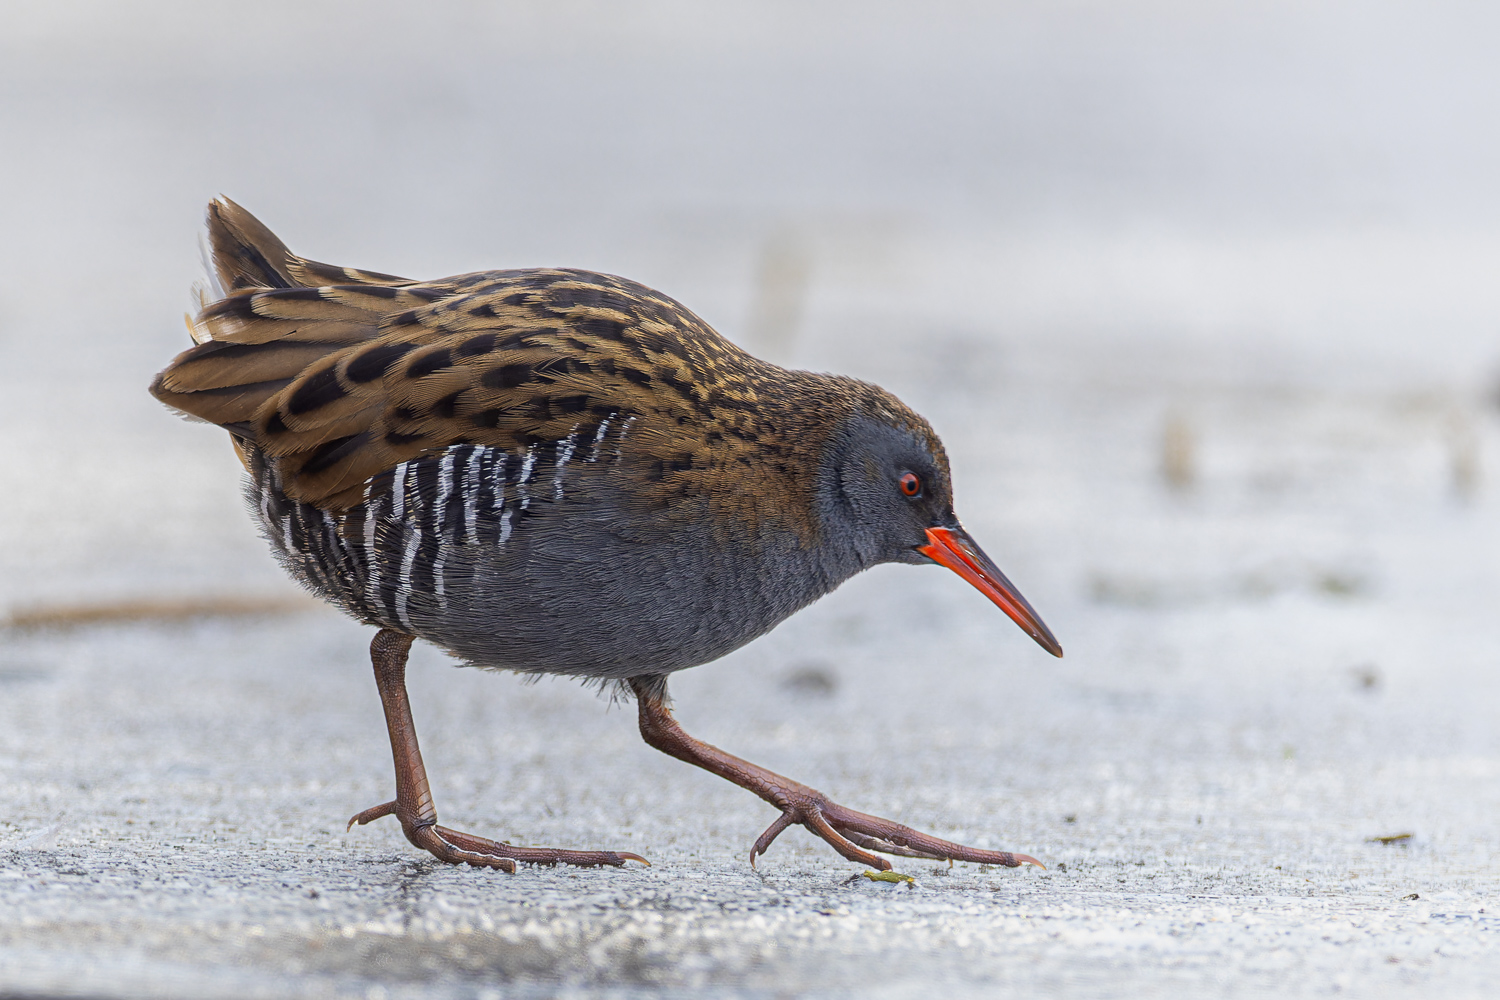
(1242, 463)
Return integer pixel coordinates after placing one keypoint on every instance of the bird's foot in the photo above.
(849, 831)
(457, 848)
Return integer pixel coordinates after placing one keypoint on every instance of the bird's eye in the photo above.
(911, 484)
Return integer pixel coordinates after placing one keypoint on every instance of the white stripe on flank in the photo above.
(603, 429)
(331, 543)
(267, 496)
(527, 464)
(398, 491)
(566, 452)
(403, 586)
(315, 554)
(372, 558)
(505, 526)
(445, 493)
(471, 493)
(437, 576)
(502, 462)
(623, 431)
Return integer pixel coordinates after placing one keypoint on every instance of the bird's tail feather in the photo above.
(278, 315)
(245, 254)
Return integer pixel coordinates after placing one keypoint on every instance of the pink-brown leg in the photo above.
(852, 834)
(413, 804)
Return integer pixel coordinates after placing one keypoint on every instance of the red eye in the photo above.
(911, 484)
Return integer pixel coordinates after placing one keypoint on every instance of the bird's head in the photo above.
(885, 494)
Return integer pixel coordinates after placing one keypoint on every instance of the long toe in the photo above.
(371, 814)
(890, 837)
(459, 848)
(546, 856)
(462, 849)
(920, 845)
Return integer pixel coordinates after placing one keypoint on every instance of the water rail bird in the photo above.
(554, 471)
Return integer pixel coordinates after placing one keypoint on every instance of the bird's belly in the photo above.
(538, 585)
(619, 614)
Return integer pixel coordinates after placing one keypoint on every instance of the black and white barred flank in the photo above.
(395, 559)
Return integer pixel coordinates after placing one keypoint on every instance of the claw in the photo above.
(763, 842)
(371, 814)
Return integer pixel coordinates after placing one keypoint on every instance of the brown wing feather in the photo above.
(339, 382)
(503, 358)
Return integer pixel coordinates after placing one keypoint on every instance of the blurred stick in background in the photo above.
(69, 616)
(1178, 459)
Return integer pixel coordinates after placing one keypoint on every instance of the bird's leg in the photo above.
(413, 804)
(846, 830)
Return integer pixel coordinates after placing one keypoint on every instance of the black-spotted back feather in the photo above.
(547, 470)
(335, 383)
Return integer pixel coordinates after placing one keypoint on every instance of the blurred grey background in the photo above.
(1202, 297)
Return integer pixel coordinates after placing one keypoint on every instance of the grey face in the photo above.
(880, 489)
(883, 496)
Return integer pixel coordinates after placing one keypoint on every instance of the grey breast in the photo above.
(541, 560)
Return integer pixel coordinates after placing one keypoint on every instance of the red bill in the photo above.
(952, 547)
